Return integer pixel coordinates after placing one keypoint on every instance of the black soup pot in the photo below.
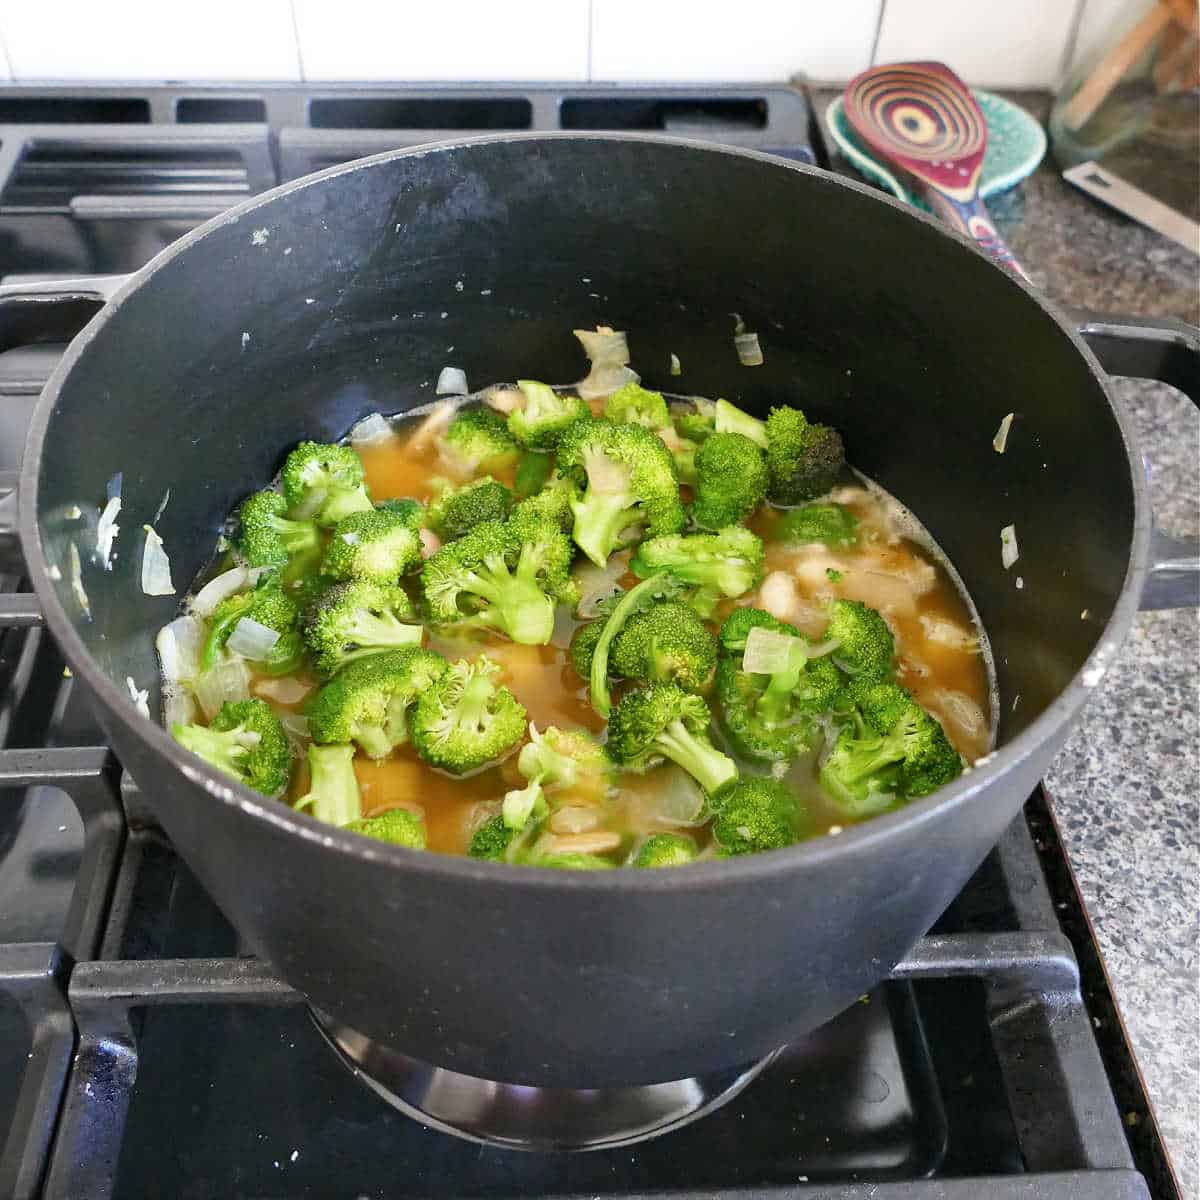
(342, 294)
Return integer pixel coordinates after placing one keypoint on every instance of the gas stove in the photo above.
(143, 1052)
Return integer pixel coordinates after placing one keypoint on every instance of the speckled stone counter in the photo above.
(1126, 787)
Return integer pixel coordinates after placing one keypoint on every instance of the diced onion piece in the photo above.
(156, 567)
(961, 711)
(227, 682)
(506, 400)
(597, 842)
(948, 633)
(608, 352)
(75, 571)
(676, 368)
(219, 588)
(438, 417)
(178, 645)
(780, 596)
(430, 542)
(575, 818)
(1008, 546)
(372, 428)
(178, 708)
(252, 639)
(106, 532)
(607, 476)
(679, 801)
(139, 696)
(768, 652)
(749, 352)
(598, 583)
(1000, 441)
(452, 382)
(295, 725)
(283, 691)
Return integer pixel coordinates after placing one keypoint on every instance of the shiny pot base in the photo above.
(517, 1117)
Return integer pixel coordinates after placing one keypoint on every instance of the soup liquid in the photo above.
(894, 567)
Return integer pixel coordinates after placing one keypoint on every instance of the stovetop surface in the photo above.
(141, 1054)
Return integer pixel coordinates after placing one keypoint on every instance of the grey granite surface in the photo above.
(1126, 787)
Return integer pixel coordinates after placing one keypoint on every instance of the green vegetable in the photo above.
(728, 418)
(358, 618)
(456, 511)
(521, 804)
(397, 825)
(368, 701)
(533, 473)
(727, 563)
(754, 814)
(665, 850)
(552, 503)
(377, 545)
(865, 645)
(477, 439)
(267, 604)
(631, 482)
(583, 647)
(333, 794)
(635, 405)
(568, 862)
(412, 511)
(832, 524)
(731, 480)
(696, 422)
(667, 643)
(269, 538)
(491, 839)
(663, 721)
(244, 740)
(565, 758)
(464, 720)
(545, 416)
(809, 472)
(503, 575)
(324, 482)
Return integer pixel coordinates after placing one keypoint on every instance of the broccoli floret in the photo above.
(324, 482)
(532, 474)
(246, 741)
(728, 418)
(552, 503)
(491, 839)
(633, 404)
(566, 758)
(522, 804)
(267, 604)
(269, 538)
(565, 862)
(333, 794)
(696, 421)
(754, 814)
(930, 759)
(545, 415)
(812, 471)
(397, 825)
(477, 439)
(771, 717)
(358, 618)
(377, 545)
(727, 563)
(583, 647)
(465, 721)
(412, 511)
(684, 454)
(456, 511)
(631, 482)
(667, 643)
(665, 850)
(663, 720)
(504, 575)
(731, 480)
(881, 704)
(832, 524)
(368, 701)
(865, 646)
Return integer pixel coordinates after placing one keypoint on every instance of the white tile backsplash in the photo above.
(460, 41)
(1104, 22)
(149, 40)
(715, 40)
(1009, 43)
(5, 69)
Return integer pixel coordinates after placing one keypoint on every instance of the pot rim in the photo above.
(854, 839)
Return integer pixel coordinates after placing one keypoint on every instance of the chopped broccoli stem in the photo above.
(522, 804)
(333, 794)
(731, 419)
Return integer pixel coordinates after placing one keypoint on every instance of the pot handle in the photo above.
(1167, 350)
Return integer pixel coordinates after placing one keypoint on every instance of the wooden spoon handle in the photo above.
(972, 219)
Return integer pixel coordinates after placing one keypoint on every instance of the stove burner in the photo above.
(517, 1117)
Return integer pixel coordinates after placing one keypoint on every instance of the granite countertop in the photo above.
(1125, 787)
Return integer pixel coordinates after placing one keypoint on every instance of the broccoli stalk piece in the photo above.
(521, 804)
(358, 618)
(754, 814)
(864, 643)
(377, 545)
(333, 795)
(726, 563)
(246, 741)
(464, 720)
(631, 481)
(456, 511)
(667, 643)
(477, 439)
(504, 575)
(491, 840)
(545, 415)
(731, 480)
(665, 850)
(368, 701)
(728, 418)
(697, 421)
(270, 539)
(635, 405)
(267, 604)
(832, 524)
(664, 721)
(324, 482)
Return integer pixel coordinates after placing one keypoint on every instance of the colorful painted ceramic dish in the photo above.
(1015, 146)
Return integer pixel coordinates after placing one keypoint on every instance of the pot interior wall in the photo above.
(349, 295)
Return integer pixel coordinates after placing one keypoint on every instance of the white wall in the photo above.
(1005, 43)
